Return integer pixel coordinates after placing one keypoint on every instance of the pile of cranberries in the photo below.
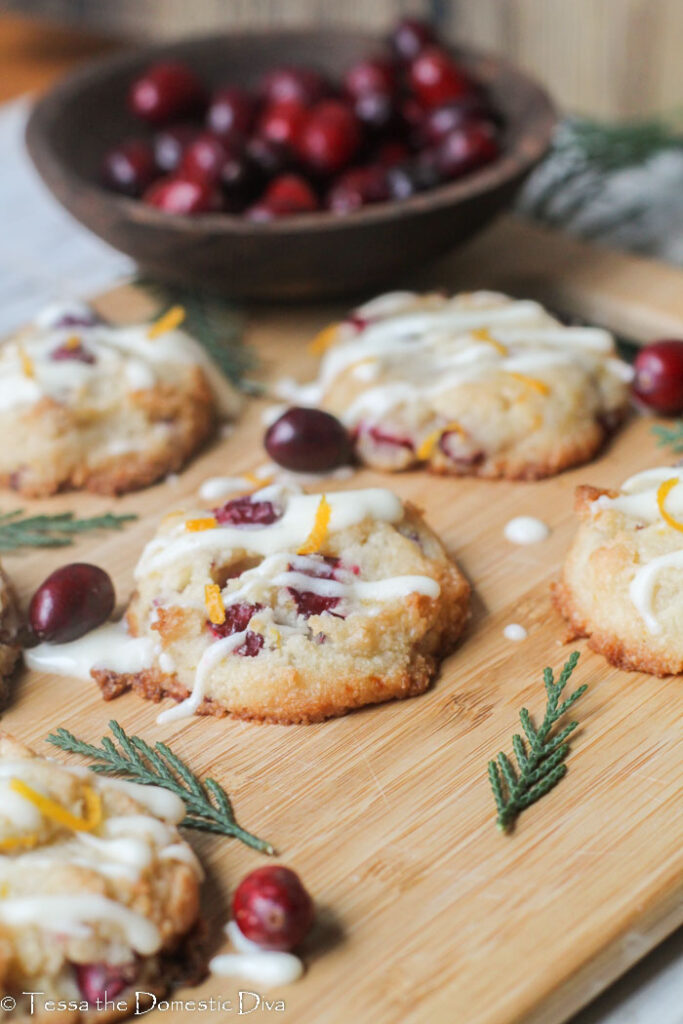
(397, 123)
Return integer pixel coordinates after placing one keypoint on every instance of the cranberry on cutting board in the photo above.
(272, 908)
(658, 381)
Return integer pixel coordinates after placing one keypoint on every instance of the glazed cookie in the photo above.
(478, 384)
(9, 636)
(293, 607)
(92, 405)
(622, 582)
(98, 891)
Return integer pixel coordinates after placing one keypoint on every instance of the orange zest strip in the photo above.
(532, 382)
(662, 494)
(197, 525)
(27, 367)
(72, 342)
(483, 334)
(18, 842)
(430, 442)
(316, 537)
(171, 319)
(324, 339)
(55, 812)
(258, 481)
(214, 604)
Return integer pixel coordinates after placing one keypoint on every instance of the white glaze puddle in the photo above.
(109, 646)
(264, 967)
(526, 530)
(513, 631)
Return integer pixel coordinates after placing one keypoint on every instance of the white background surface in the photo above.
(45, 255)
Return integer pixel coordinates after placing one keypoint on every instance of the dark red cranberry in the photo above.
(376, 111)
(104, 981)
(282, 123)
(252, 644)
(166, 91)
(413, 115)
(271, 908)
(130, 167)
(79, 353)
(290, 193)
(391, 152)
(442, 120)
(465, 149)
(204, 158)
(245, 512)
(308, 441)
(307, 602)
(289, 84)
(269, 158)
(436, 79)
(358, 187)
(182, 196)
(78, 316)
(372, 75)
(237, 618)
(380, 436)
(410, 37)
(231, 114)
(70, 602)
(658, 383)
(417, 175)
(169, 145)
(330, 137)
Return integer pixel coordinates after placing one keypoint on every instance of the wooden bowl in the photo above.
(310, 256)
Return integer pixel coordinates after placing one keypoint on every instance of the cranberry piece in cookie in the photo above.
(104, 981)
(245, 512)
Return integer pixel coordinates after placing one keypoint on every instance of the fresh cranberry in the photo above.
(376, 111)
(231, 114)
(70, 602)
(372, 75)
(268, 158)
(436, 79)
(78, 353)
(308, 441)
(204, 158)
(330, 137)
(272, 908)
(391, 152)
(291, 193)
(380, 436)
(245, 512)
(465, 149)
(440, 121)
(417, 175)
(169, 145)
(298, 85)
(79, 315)
(410, 37)
(166, 91)
(182, 196)
(358, 187)
(658, 382)
(130, 167)
(282, 123)
(104, 981)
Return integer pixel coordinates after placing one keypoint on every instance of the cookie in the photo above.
(9, 636)
(622, 581)
(478, 385)
(293, 607)
(98, 891)
(102, 407)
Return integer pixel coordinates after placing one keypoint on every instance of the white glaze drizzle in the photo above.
(211, 657)
(68, 914)
(513, 631)
(526, 530)
(109, 646)
(264, 967)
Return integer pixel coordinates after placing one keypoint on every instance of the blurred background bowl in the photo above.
(309, 256)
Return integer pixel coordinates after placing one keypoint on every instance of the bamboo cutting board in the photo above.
(426, 912)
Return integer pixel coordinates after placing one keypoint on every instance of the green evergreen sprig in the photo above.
(669, 437)
(540, 761)
(51, 531)
(208, 805)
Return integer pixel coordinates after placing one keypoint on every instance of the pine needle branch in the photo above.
(540, 762)
(208, 805)
(669, 437)
(51, 531)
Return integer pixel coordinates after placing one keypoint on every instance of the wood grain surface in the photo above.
(427, 913)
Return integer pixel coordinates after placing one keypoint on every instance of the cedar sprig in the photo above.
(208, 805)
(540, 760)
(669, 437)
(51, 531)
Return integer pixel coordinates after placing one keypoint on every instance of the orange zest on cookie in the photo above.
(662, 493)
(258, 481)
(72, 342)
(51, 809)
(27, 367)
(18, 842)
(483, 334)
(214, 604)
(171, 319)
(197, 525)
(323, 340)
(532, 382)
(316, 537)
(430, 442)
